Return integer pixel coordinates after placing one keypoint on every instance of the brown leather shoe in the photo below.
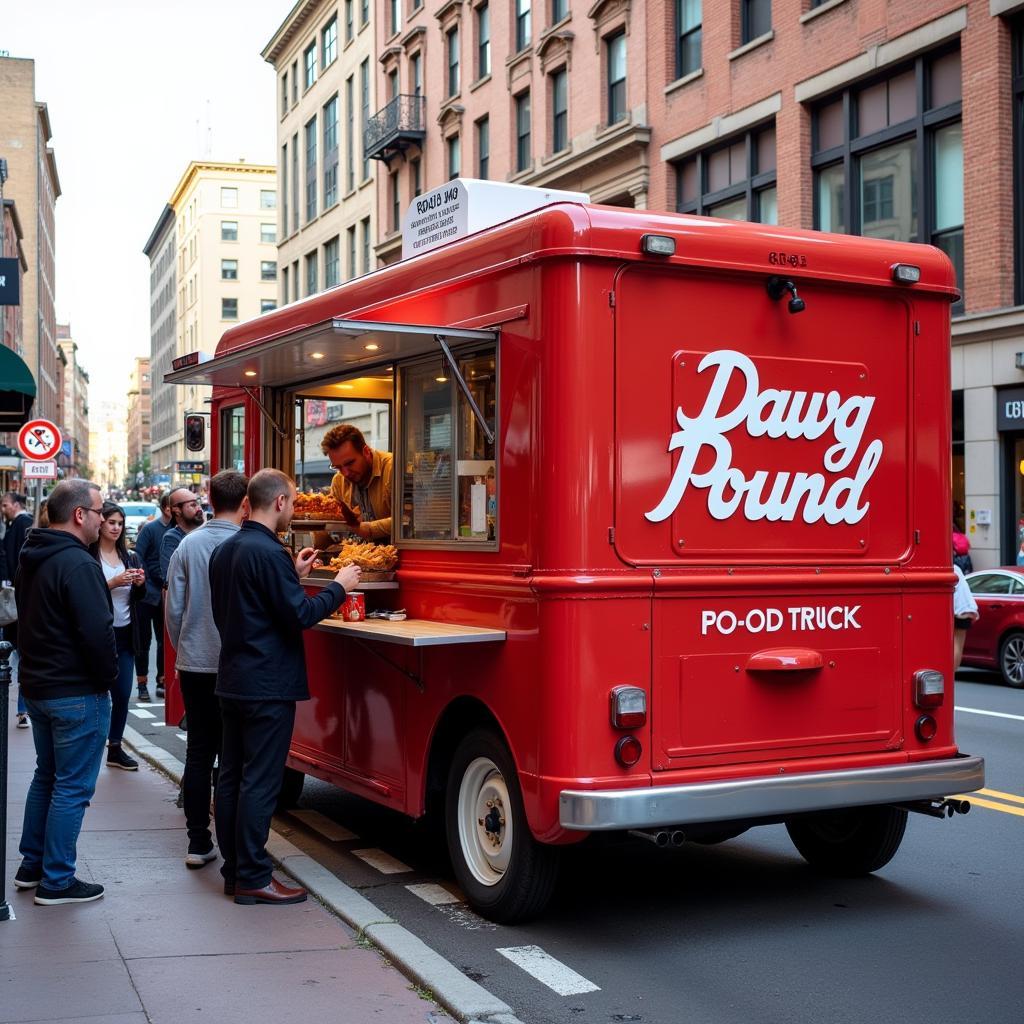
(274, 892)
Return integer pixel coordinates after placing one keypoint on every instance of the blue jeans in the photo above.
(14, 662)
(69, 734)
(122, 693)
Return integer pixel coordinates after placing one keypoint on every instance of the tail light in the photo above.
(925, 728)
(628, 707)
(929, 688)
(628, 751)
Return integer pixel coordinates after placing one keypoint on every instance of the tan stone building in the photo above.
(325, 61)
(75, 422)
(33, 184)
(107, 444)
(139, 416)
(225, 270)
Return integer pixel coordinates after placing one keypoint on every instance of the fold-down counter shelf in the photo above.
(412, 632)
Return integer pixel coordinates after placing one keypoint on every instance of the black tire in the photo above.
(291, 790)
(1011, 660)
(506, 874)
(850, 842)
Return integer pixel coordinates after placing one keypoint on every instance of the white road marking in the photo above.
(181, 736)
(141, 713)
(546, 969)
(383, 862)
(157, 725)
(435, 895)
(992, 714)
(322, 824)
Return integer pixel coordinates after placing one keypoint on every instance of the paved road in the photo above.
(740, 932)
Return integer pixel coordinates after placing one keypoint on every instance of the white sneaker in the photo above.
(23, 722)
(197, 860)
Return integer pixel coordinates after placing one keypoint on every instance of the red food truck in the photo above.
(671, 497)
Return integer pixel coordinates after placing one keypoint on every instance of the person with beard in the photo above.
(187, 514)
(260, 610)
(68, 668)
(151, 608)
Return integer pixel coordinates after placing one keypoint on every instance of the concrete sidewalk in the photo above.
(164, 945)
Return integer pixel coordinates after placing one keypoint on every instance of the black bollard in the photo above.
(6, 912)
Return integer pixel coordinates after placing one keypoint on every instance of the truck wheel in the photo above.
(505, 873)
(1011, 660)
(291, 790)
(854, 841)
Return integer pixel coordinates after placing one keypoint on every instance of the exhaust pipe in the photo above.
(937, 808)
(660, 838)
(677, 838)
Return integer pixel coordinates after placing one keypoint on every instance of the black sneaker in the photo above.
(117, 758)
(26, 878)
(77, 892)
(144, 697)
(160, 691)
(200, 854)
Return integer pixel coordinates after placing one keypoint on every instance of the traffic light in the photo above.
(195, 432)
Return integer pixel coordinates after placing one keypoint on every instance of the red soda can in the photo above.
(353, 608)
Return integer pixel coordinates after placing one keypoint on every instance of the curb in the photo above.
(462, 997)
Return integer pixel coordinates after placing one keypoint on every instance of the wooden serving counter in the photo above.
(412, 632)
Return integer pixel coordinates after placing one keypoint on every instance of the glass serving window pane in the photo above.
(427, 493)
(945, 86)
(732, 209)
(768, 206)
(316, 416)
(831, 186)
(233, 443)
(888, 183)
(475, 466)
(830, 126)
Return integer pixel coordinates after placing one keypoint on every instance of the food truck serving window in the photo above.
(449, 482)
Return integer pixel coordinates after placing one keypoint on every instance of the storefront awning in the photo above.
(331, 349)
(17, 390)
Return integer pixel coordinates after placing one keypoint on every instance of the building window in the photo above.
(268, 270)
(559, 111)
(415, 177)
(364, 14)
(366, 244)
(267, 305)
(311, 274)
(350, 236)
(295, 279)
(688, 37)
(268, 199)
(310, 169)
(483, 41)
(229, 270)
(522, 24)
(483, 147)
(349, 20)
(229, 309)
(452, 43)
(416, 74)
(309, 62)
(330, 121)
(229, 198)
(886, 168)
(392, 83)
(395, 16)
(616, 55)
(1018, 155)
(329, 42)
(454, 156)
(735, 181)
(364, 89)
(284, 284)
(284, 190)
(350, 125)
(295, 182)
(295, 82)
(284, 93)
(268, 234)
(524, 155)
(229, 230)
(394, 201)
(559, 10)
(755, 19)
(332, 263)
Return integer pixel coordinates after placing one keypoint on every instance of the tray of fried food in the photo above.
(313, 505)
(377, 561)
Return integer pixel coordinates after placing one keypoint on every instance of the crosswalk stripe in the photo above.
(181, 736)
(435, 895)
(549, 971)
(141, 713)
(322, 824)
(383, 862)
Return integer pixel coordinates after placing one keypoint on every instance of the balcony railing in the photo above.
(402, 123)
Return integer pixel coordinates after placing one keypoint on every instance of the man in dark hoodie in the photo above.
(68, 666)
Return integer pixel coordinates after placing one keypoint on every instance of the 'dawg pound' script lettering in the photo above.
(776, 496)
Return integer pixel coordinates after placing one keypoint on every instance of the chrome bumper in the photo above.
(737, 799)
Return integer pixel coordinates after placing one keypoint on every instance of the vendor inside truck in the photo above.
(362, 482)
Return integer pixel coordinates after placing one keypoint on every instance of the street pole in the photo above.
(6, 910)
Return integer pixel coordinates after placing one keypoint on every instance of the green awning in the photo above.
(17, 390)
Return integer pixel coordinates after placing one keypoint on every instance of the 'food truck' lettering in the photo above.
(775, 496)
(800, 618)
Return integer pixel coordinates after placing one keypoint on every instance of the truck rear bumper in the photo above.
(738, 799)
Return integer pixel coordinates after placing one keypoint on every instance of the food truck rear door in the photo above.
(762, 472)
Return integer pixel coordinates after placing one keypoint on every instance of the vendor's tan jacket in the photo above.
(380, 494)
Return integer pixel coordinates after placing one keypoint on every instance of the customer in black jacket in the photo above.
(260, 610)
(68, 666)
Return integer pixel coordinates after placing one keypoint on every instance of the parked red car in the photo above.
(996, 640)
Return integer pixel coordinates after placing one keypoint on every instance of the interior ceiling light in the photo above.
(316, 355)
(372, 347)
(250, 373)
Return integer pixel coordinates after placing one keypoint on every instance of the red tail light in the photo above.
(629, 707)
(929, 688)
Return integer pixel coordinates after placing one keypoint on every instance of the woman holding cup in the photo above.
(127, 582)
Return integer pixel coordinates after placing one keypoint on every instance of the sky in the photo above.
(135, 90)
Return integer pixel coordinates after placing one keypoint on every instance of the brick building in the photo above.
(138, 420)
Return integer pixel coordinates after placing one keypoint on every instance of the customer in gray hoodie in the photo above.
(194, 635)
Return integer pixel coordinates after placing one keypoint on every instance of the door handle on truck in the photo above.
(785, 659)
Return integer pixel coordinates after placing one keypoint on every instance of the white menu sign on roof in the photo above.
(464, 206)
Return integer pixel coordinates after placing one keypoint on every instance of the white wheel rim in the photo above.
(485, 821)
